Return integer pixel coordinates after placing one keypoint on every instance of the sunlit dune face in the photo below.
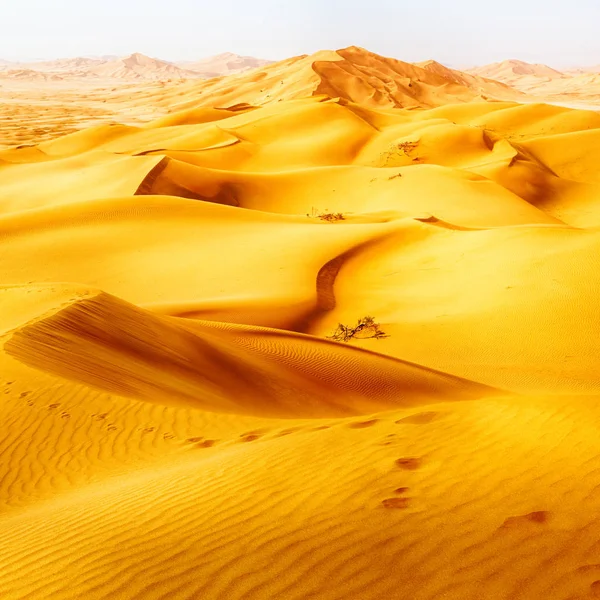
(327, 329)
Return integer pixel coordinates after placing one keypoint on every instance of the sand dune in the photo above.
(583, 70)
(578, 88)
(180, 422)
(510, 71)
(138, 89)
(351, 73)
(226, 63)
(129, 68)
(106, 343)
(76, 64)
(136, 66)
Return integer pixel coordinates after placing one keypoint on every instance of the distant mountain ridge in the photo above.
(508, 70)
(226, 63)
(513, 69)
(576, 85)
(134, 67)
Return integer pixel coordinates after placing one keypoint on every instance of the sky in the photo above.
(459, 33)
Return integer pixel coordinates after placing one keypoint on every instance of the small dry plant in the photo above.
(365, 328)
(407, 147)
(397, 152)
(330, 217)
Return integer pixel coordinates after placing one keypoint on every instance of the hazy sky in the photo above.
(457, 32)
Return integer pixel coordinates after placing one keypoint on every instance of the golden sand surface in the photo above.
(178, 422)
(36, 107)
(33, 111)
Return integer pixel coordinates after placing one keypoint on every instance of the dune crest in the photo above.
(114, 346)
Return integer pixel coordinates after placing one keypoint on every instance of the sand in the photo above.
(179, 422)
(45, 99)
(576, 88)
(133, 67)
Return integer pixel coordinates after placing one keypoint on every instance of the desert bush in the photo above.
(365, 328)
(407, 147)
(330, 217)
(397, 153)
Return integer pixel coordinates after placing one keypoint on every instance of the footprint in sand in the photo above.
(402, 502)
(288, 431)
(53, 406)
(588, 568)
(206, 444)
(363, 424)
(539, 517)
(255, 432)
(194, 440)
(396, 502)
(389, 439)
(409, 463)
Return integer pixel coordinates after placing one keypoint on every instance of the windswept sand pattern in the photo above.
(113, 346)
(179, 422)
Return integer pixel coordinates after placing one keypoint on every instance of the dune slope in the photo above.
(180, 420)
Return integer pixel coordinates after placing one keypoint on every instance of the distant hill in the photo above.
(584, 70)
(224, 64)
(469, 80)
(63, 65)
(508, 71)
(136, 67)
(28, 75)
(578, 87)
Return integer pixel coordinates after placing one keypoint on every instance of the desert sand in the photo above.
(43, 100)
(136, 66)
(179, 422)
(576, 88)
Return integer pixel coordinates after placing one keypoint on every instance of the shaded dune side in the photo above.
(110, 344)
(175, 178)
(148, 182)
(325, 288)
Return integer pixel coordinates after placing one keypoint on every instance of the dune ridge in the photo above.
(109, 344)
